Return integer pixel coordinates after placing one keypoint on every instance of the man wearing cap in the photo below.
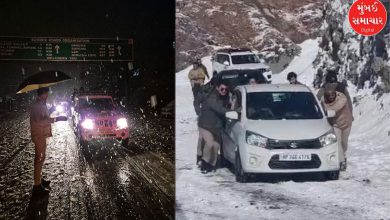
(342, 122)
(197, 77)
(40, 125)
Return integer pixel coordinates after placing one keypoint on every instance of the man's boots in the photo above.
(343, 165)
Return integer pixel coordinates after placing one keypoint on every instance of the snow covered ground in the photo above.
(361, 193)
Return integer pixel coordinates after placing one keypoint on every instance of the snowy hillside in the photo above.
(301, 64)
(355, 57)
(267, 26)
(361, 192)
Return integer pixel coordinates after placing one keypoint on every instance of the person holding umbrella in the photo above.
(40, 121)
(40, 124)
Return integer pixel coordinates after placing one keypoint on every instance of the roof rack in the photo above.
(234, 50)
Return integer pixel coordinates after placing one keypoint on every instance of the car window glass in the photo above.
(246, 58)
(103, 104)
(237, 106)
(282, 105)
(220, 58)
(225, 58)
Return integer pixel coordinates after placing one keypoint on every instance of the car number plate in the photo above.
(294, 157)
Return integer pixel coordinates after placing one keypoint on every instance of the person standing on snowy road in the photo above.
(342, 122)
(293, 78)
(40, 125)
(199, 101)
(203, 67)
(210, 123)
(197, 77)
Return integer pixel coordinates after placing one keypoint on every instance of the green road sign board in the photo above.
(65, 49)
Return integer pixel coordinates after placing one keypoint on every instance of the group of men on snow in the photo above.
(211, 102)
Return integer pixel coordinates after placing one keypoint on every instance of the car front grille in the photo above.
(275, 163)
(298, 144)
(104, 123)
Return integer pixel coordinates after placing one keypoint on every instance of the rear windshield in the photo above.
(282, 105)
(103, 104)
(243, 59)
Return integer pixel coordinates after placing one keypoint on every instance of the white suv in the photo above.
(279, 128)
(239, 59)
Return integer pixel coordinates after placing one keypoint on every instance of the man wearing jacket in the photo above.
(197, 77)
(202, 96)
(210, 123)
(331, 78)
(40, 125)
(203, 67)
(342, 122)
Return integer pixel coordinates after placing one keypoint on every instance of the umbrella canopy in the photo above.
(42, 79)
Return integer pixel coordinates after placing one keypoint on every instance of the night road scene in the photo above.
(87, 109)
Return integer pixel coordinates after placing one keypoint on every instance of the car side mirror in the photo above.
(233, 115)
(226, 63)
(330, 113)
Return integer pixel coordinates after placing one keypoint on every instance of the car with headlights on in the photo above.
(96, 117)
(279, 128)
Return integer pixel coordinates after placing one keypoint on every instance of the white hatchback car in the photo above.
(279, 128)
(239, 59)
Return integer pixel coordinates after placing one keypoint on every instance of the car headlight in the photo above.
(121, 123)
(255, 139)
(87, 124)
(59, 108)
(328, 139)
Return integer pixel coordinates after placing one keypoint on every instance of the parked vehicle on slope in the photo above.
(239, 59)
(278, 128)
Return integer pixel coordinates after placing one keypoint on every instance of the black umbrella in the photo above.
(42, 79)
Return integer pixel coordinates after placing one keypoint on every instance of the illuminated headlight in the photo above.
(59, 108)
(122, 123)
(87, 124)
(328, 139)
(255, 139)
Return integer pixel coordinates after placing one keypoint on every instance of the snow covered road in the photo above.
(361, 193)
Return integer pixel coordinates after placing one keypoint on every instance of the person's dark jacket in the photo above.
(212, 114)
(202, 96)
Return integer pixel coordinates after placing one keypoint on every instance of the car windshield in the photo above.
(101, 104)
(243, 59)
(282, 105)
